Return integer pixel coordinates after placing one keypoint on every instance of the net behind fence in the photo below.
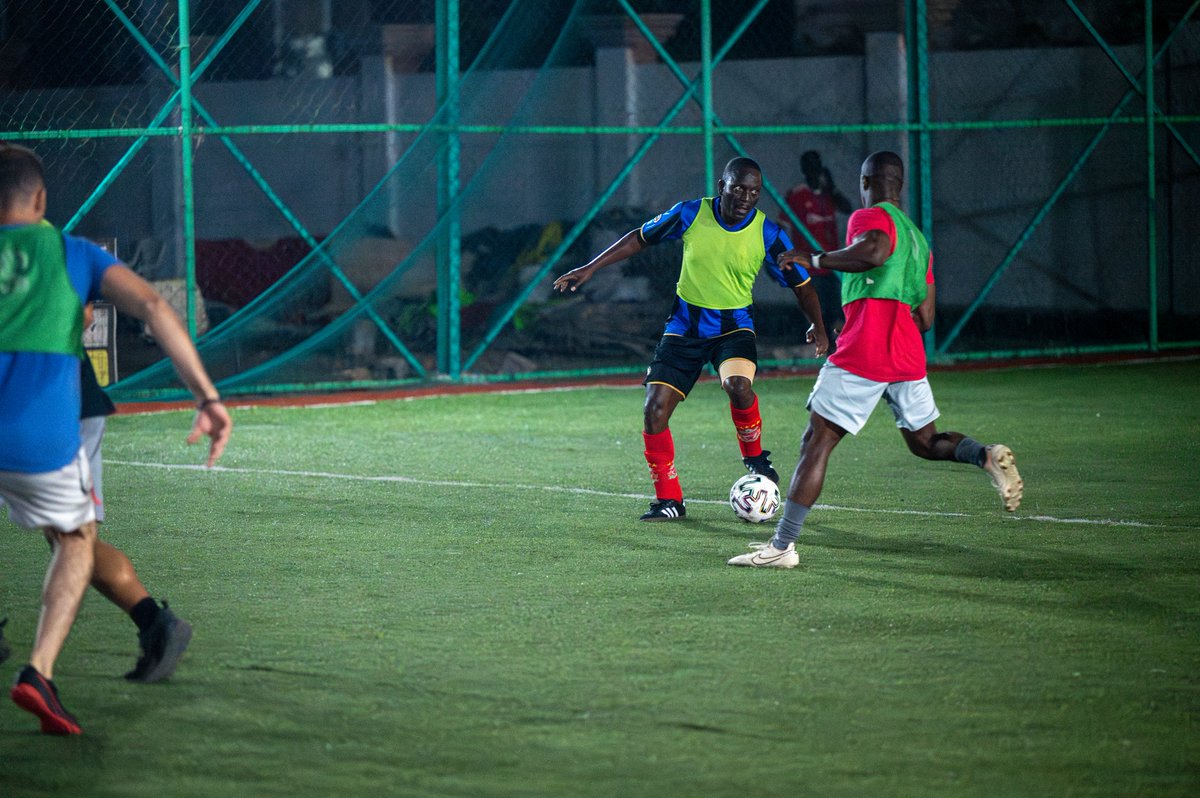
(366, 214)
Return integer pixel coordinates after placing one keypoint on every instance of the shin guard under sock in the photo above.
(748, 424)
(660, 456)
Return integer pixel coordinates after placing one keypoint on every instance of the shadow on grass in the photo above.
(1087, 583)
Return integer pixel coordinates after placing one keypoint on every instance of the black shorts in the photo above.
(679, 361)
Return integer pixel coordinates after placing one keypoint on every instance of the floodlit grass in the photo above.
(452, 597)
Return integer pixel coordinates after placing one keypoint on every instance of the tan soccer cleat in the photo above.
(1001, 466)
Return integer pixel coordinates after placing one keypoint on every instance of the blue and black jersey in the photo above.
(720, 264)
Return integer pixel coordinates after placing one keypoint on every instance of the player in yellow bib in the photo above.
(726, 241)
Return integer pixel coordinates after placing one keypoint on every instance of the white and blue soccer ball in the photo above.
(754, 498)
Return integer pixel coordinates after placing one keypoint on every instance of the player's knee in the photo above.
(738, 388)
(655, 415)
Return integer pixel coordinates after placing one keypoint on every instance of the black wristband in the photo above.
(203, 403)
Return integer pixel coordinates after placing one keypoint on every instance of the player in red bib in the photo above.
(888, 298)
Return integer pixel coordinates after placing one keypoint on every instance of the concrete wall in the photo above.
(1089, 252)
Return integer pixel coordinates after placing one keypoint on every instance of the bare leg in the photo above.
(930, 444)
(162, 636)
(997, 460)
(66, 581)
(819, 440)
(661, 402)
(818, 443)
(115, 578)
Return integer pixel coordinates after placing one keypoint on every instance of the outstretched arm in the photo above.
(626, 246)
(136, 297)
(867, 252)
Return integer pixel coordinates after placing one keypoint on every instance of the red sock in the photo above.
(748, 424)
(660, 455)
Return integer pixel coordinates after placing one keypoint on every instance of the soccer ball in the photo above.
(754, 498)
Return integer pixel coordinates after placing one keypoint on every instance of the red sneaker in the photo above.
(34, 693)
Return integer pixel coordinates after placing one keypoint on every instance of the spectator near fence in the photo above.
(816, 203)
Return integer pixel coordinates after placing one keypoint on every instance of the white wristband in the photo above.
(816, 259)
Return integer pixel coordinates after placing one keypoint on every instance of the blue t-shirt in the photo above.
(39, 392)
(694, 321)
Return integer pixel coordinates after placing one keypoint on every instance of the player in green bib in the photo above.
(34, 286)
(888, 297)
(45, 476)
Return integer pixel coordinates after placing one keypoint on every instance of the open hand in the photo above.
(818, 338)
(212, 420)
(572, 280)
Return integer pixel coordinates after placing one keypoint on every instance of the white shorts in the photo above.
(847, 399)
(60, 499)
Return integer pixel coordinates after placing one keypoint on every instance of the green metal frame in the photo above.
(1149, 120)
(449, 258)
(194, 121)
(257, 177)
(920, 162)
(1151, 186)
(581, 225)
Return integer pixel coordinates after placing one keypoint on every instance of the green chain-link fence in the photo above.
(368, 193)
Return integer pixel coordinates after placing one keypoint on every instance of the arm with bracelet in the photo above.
(136, 297)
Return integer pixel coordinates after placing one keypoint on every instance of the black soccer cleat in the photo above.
(5, 648)
(759, 464)
(163, 643)
(664, 510)
(34, 693)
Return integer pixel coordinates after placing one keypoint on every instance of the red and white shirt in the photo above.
(880, 341)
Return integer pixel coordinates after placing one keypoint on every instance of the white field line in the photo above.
(620, 386)
(452, 483)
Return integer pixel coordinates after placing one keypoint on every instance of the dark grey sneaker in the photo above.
(163, 643)
(5, 648)
(664, 510)
(761, 465)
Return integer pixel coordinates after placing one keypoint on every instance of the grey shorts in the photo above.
(847, 399)
(91, 431)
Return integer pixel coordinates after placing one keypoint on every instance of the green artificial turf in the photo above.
(452, 596)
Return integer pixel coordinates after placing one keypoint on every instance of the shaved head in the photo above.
(877, 163)
(882, 177)
(738, 165)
